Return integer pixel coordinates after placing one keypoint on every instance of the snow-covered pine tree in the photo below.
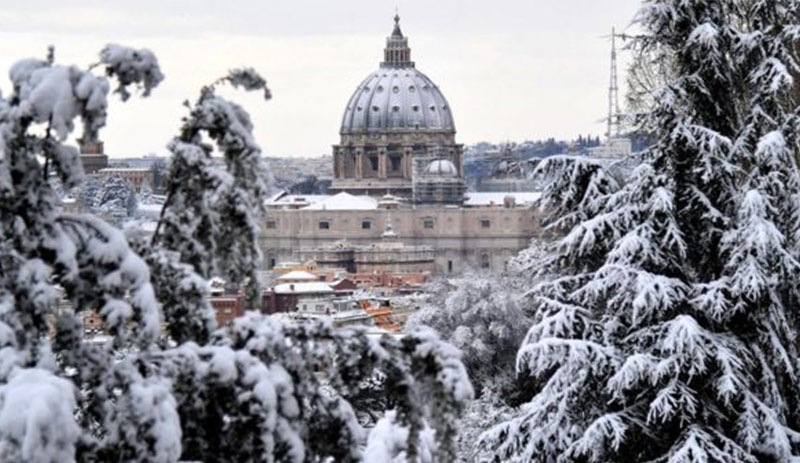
(480, 314)
(666, 331)
(212, 212)
(256, 391)
(117, 197)
(43, 383)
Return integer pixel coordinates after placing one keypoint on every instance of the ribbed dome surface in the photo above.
(397, 99)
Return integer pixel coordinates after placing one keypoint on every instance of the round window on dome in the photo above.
(415, 108)
(395, 89)
(412, 89)
(380, 88)
(395, 108)
(366, 89)
(376, 109)
(360, 108)
(433, 108)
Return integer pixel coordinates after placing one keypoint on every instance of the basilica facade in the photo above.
(398, 167)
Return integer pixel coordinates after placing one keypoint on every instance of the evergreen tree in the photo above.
(212, 212)
(480, 314)
(117, 196)
(665, 330)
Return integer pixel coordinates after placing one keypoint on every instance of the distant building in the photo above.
(286, 297)
(227, 302)
(617, 147)
(398, 166)
(386, 256)
(396, 122)
(227, 307)
(92, 156)
(136, 176)
(508, 173)
(297, 276)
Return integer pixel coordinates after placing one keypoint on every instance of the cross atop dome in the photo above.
(397, 32)
(397, 53)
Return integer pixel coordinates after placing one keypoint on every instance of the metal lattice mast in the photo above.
(613, 91)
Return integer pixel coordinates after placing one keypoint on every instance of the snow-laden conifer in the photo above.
(213, 208)
(480, 314)
(666, 329)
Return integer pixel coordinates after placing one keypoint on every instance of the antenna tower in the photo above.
(613, 91)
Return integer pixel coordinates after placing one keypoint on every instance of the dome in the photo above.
(402, 99)
(397, 97)
(442, 168)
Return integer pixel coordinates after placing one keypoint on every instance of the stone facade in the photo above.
(92, 156)
(482, 237)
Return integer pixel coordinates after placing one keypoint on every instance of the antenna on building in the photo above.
(613, 90)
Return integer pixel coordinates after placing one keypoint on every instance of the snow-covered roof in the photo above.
(151, 211)
(123, 169)
(344, 202)
(389, 199)
(488, 198)
(287, 264)
(298, 275)
(282, 199)
(315, 287)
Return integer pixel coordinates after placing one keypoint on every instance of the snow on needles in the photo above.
(36, 418)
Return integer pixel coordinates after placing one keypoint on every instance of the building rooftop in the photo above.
(347, 202)
(298, 275)
(344, 201)
(483, 199)
(304, 288)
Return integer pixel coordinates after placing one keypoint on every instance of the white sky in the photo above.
(511, 69)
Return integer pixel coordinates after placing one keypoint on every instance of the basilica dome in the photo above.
(398, 136)
(397, 97)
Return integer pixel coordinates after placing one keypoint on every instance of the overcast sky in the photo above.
(511, 69)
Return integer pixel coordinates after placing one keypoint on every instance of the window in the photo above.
(485, 260)
(395, 162)
(449, 266)
(324, 225)
(272, 262)
(366, 224)
(428, 223)
(271, 224)
(486, 223)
